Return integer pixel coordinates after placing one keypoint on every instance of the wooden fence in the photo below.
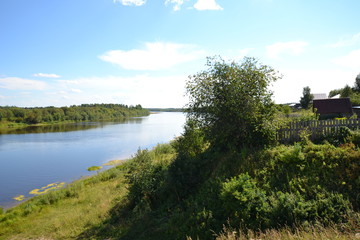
(316, 129)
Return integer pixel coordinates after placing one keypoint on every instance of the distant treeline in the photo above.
(84, 112)
(166, 109)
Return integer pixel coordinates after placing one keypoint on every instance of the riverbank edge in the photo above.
(107, 187)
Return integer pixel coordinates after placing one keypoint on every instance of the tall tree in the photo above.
(346, 91)
(357, 83)
(307, 97)
(231, 102)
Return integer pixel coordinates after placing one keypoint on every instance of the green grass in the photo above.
(313, 233)
(65, 213)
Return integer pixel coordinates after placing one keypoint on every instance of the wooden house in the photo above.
(333, 107)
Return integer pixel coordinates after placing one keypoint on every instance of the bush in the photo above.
(293, 209)
(231, 102)
(187, 171)
(354, 138)
(336, 137)
(311, 168)
(245, 203)
(163, 149)
(145, 180)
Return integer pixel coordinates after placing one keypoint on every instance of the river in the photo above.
(34, 158)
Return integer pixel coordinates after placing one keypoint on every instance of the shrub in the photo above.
(145, 179)
(310, 168)
(187, 171)
(294, 209)
(231, 102)
(336, 137)
(354, 138)
(245, 203)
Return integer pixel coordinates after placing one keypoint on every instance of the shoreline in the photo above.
(107, 166)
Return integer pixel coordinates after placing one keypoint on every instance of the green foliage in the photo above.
(346, 91)
(336, 136)
(192, 142)
(357, 83)
(245, 203)
(184, 174)
(354, 138)
(84, 112)
(334, 92)
(293, 209)
(146, 179)
(353, 93)
(232, 104)
(306, 99)
(312, 169)
(94, 168)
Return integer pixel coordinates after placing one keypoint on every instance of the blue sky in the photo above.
(61, 53)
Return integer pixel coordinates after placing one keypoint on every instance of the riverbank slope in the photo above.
(139, 200)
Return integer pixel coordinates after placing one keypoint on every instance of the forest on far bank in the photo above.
(83, 112)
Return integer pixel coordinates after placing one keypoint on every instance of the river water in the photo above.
(33, 158)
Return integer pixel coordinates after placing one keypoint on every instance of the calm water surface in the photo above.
(35, 159)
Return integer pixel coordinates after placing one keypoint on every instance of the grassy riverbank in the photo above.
(70, 212)
(134, 201)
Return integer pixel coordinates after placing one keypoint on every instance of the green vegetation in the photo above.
(216, 181)
(75, 210)
(21, 117)
(232, 104)
(301, 190)
(94, 168)
(351, 92)
(165, 109)
(306, 99)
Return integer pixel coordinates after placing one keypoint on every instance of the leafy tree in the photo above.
(346, 91)
(306, 99)
(231, 102)
(334, 92)
(357, 83)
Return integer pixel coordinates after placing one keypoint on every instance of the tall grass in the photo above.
(313, 233)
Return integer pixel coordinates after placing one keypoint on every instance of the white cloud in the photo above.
(347, 41)
(155, 56)
(351, 60)
(294, 48)
(131, 2)
(46, 75)
(74, 90)
(207, 5)
(149, 91)
(14, 83)
(177, 4)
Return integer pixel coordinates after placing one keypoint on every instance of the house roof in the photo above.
(319, 96)
(333, 106)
